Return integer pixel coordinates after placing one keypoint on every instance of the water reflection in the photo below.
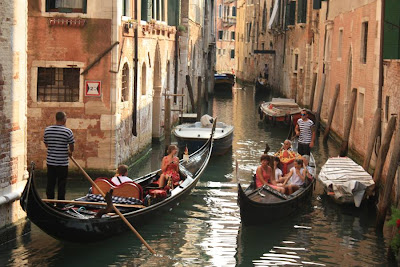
(205, 229)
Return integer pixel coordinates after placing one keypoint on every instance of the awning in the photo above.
(273, 16)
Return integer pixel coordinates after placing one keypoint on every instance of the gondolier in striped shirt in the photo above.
(59, 141)
(305, 130)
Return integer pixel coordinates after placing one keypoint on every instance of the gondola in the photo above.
(265, 204)
(77, 223)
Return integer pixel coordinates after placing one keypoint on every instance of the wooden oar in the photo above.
(91, 203)
(115, 209)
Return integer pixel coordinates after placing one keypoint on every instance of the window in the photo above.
(153, 9)
(296, 62)
(125, 83)
(66, 6)
(220, 11)
(125, 8)
(233, 11)
(58, 84)
(290, 13)
(302, 11)
(144, 78)
(232, 53)
(248, 32)
(340, 43)
(232, 35)
(220, 35)
(360, 109)
(264, 18)
(364, 42)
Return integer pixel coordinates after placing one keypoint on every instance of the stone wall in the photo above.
(12, 108)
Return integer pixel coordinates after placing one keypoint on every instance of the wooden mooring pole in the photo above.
(321, 98)
(190, 89)
(345, 144)
(383, 150)
(372, 138)
(167, 121)
(199, 98)
(331, 112)
(314, 84)
(393, 166)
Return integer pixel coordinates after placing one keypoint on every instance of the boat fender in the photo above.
(222, 130)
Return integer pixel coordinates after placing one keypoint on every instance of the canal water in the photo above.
(205, 229)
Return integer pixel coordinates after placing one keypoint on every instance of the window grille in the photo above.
(58, 84)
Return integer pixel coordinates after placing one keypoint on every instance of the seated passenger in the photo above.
(170, 166)
(309, 170)
(264, 174)
(296, 177)
(286, 150)
(121, 176)
(278, 172)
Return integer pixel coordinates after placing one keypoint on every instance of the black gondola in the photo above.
(265, 204)
(72, 224)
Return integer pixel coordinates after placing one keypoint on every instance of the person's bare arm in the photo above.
(297, 130)
(287, 177)
(71, 149)
(312, 136)
(260, 176)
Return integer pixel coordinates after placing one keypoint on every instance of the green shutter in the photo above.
(149, 9)
(316, 4)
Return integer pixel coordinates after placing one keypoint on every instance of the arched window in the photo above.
(144, 74)
(125, 83)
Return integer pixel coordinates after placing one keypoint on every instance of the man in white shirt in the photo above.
(121, 176)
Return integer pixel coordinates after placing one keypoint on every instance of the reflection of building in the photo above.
(225, 35)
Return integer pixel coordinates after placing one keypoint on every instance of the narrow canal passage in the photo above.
(205, 229)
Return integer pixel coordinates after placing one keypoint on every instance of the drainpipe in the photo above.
(135, 79)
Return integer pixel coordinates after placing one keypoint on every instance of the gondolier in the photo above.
(59, 141)
(305, 130)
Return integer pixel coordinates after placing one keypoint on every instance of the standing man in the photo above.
(305, 130)
(58, 139)
(266, 71)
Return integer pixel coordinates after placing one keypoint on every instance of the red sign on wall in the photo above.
(92, 88)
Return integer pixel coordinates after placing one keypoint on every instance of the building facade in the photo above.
(226, 35)
(13, 125)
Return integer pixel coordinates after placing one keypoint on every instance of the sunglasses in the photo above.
(303, 114)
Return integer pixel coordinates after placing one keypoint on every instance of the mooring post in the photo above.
(384, 149)
(331, 112)
(199, 98)
(190, 89)
(314, 84)
(393, 165)
(345, 144)
(167, 121)
(321, 98)
(372, 137)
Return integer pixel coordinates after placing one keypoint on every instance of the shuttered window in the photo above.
(290, 13)
(302, 11)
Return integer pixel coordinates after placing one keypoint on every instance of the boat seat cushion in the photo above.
(115, 199)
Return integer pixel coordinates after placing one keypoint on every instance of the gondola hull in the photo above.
(253, 210)
(63, 225)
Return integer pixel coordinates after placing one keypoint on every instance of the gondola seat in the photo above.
(127, 189)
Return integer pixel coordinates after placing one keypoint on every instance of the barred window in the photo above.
(58, 84)
(125, 83)
(66, 6)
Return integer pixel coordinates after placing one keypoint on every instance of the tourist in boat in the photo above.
(307, 168)
(278, 171)
(170, 166)
(305, 130)
(121, 176)
(264, 174)
(295, 178)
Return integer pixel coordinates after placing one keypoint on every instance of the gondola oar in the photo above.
(115, 208)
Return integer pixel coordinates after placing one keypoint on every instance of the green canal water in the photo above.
(205, 228)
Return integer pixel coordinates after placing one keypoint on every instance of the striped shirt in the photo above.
(305, 130)
(57, 138)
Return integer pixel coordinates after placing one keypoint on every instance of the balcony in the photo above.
(229, 21)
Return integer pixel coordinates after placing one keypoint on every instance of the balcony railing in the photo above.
(229, 20)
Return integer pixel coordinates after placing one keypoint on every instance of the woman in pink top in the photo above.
(265, 176)
(170, 166)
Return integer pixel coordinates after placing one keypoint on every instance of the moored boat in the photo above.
(194, 135)
(345, 181)
(77, 221)
(265, 204)
(280, 110)
(224, 79)
(262, 85)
